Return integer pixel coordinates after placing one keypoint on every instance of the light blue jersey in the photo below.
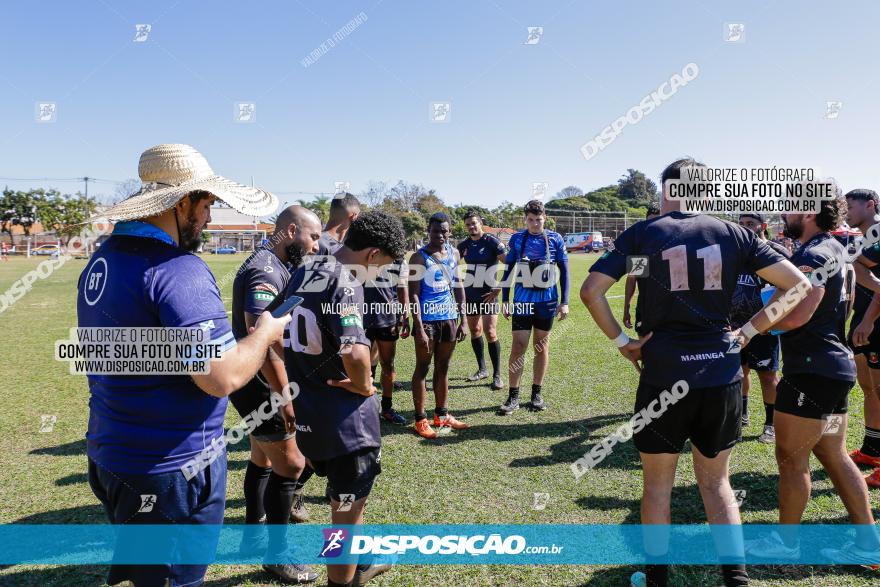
(436, 300)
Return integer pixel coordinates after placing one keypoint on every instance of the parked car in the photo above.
(51, 250)
(225, 250)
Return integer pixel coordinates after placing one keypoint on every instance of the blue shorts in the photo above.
(163, 498)
(762, 353)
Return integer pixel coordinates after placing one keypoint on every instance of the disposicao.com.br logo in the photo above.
(453, 544)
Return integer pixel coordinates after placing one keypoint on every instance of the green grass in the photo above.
(483, 475)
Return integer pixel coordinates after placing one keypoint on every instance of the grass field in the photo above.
(487, 474)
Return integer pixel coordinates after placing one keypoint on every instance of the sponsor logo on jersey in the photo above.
(746, 279)
(702, 356)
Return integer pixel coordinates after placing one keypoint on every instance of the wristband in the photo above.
(749, 331)
(622, 339)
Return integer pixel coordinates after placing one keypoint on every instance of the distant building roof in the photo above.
(224, 218)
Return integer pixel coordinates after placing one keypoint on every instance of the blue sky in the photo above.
(519, 113)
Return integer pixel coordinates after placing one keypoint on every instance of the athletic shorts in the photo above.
(250, 399)
(870, 350)
(709, 417)
(383, 333)
(762, 353)
(350, 477)
(539, 315)
(812, 396)
(441, 330)
(174, 500)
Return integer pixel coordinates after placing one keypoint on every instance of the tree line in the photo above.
(63, 214)
(413, 203)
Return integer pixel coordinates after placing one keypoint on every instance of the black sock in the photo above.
(871, 442)
(421, 416)
(514, 392)
(441, 412)
(495, 356)
(768, 414)
(303, 477)
(535, 389)
(656, 575)
(735, 575)
(386, 403)
(331, 583)
(477, 344)
(255, 479)
(745, 405)
(279, 500)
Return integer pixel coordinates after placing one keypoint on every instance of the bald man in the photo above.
(276, 471)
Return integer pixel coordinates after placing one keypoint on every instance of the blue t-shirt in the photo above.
(819, 346)
(693, 262)
(330, 421)
(527, 247)
(150, 423)
(436, 297)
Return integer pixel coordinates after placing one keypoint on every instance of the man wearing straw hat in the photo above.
(145, 429)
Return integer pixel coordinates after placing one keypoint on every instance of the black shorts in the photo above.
(351, 476)
(250, 399)
(709, 417)
(762, 353)
(870, 350)
(384, 333)
(441, 330)
(812, 396)
(539, 315)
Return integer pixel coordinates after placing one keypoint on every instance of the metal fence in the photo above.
(608, 223)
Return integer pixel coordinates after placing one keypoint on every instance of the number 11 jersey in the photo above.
(687, 266)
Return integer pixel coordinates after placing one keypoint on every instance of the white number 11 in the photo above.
(678, 270)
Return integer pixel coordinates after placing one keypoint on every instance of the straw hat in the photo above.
(169, 172)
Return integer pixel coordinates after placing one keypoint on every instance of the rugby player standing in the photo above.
(686, 342)
(437, 300)
(535, 253)
(864, 335)
(327, 354)
(386, 319)
(811, 398)
(762, 352)
(276, 471)
(344, 209)
(481, 254)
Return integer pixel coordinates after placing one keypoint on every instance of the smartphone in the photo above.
(287, 306)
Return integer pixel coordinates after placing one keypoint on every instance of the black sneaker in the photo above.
(398, 385)
(745, 420)
(496, 383)
(366, 572)
(537, 404)
(299, 513)
(481, 374)
(510, 406)
(292, 574)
